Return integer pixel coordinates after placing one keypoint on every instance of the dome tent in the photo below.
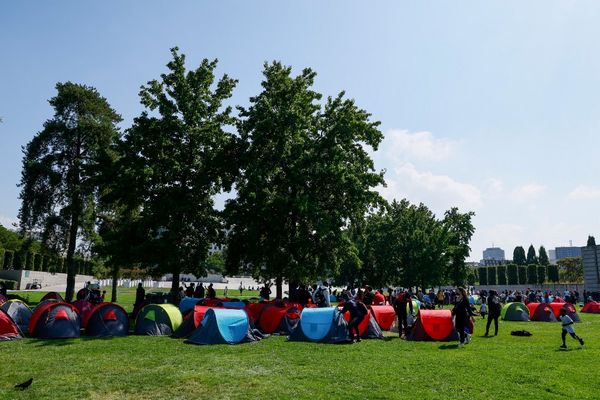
(157, 320)
(281, 320)
(541, 312)
(515, 312)
(223, 326)
(591, 307)
(55, 320)
(324, 325)
(19, 312)
(52, 296)
(384, 315)
(192, 320)
(8, 328)
(107, 319)
(435, 325)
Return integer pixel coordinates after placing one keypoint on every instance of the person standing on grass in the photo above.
(494, 309)
(210, 292)
(225, 292)
(567, 327)
(462, 313)
(402, 302)
(357, 310)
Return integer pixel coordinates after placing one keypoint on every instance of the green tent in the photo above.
(158, 320)
(515, 312)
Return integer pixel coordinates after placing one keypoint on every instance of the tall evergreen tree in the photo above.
(305, 175)
(483, 276)
(531, 257)
(591, 241)
(543, 257)
(519, 256)
(58, 183)
(176, 157)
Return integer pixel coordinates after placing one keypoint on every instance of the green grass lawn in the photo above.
(503, 367)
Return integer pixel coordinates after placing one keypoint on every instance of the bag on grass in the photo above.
(521, 333)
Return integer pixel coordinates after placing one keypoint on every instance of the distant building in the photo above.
(564, 252)
(591, 267)
(492, 254)
(552, 256)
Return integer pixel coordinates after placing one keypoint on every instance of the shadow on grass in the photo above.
(65, 342)
(568, 349)
(448, 346)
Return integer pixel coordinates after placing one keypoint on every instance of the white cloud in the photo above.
(8, 222)
(438, 192)
(528, 192)
(494, 186)
(583, 192)
(417, 145)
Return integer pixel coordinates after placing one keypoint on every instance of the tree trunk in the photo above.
(279, 288)
(175, 281)
(115, 277)
(70, 257)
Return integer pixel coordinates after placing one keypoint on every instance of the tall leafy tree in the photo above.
(58, 182)
(483, 276)
(531, 257)
(491, 275)
(522, 270)
(519, 256)
(512, 274)
(570, 270)
(305, 174)
(543, 257)
(553, 275)
(176, 157)
(541, 274)
(501, 274)
(459, 229)
(532, 274)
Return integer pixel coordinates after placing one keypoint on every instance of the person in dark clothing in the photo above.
(140, 298)
(189, 290)
(265, 293)
(199, 292)
(494, 309)
(369, 295)
(402, 301)
(303, 295)
(462, 312)
(357, 310)
(210, 292)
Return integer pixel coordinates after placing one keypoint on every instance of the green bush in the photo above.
(512, 274)
(10, 285)
(483, 276)
(522, 275)
(532, 274)
(501, 270)
(491, 275)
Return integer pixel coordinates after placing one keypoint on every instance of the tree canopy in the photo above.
(59, 189)
(519, 256)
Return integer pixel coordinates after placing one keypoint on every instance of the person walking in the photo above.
(494, 308)
(567, 327)
(462, 313)
(403, 301)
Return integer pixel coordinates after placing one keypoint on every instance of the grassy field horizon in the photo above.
(140, 367)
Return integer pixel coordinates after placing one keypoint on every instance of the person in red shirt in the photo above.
(379, 298)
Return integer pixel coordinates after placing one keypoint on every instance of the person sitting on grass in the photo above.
(357, 310)
(567, 327)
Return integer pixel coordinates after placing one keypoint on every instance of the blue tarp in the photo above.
(221, 326)
(187, 303)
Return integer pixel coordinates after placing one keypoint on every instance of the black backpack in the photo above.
(521, 333)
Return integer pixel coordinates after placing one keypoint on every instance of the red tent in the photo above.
(85, 310)
(591, 307)
(541, 312)
(8, 328)
(52, 296)
(435, 325)
(278, 319)
(384, 315)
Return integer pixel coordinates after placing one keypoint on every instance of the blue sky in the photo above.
(489, 106)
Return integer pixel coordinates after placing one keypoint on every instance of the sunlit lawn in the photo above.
(503, 367)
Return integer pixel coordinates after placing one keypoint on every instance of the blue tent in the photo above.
(187, 303)
(221, 326)
(326, 325)
(234, 304)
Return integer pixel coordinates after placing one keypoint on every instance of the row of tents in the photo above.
(221, 321)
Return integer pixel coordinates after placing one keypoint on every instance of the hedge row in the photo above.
(512, 274)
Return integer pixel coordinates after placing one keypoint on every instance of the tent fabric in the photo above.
(107, 319)
(515, 312)
(52, 296)
(591, 307)
(558, 300)
(255, 309)
(384, 315)
(3, 299)
(571, 312)
(222, 326)
(323, 325)
(541, 312)
(233, 304)
(277, 319)
(19, 312)
(85, 309)
(55, 320)
(372, 329)
(187, 303)
(556, 307)
(191, 321)
(8, 328)
(157, 320)
(433, 325)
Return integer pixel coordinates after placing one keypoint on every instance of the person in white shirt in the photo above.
(567, 327)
